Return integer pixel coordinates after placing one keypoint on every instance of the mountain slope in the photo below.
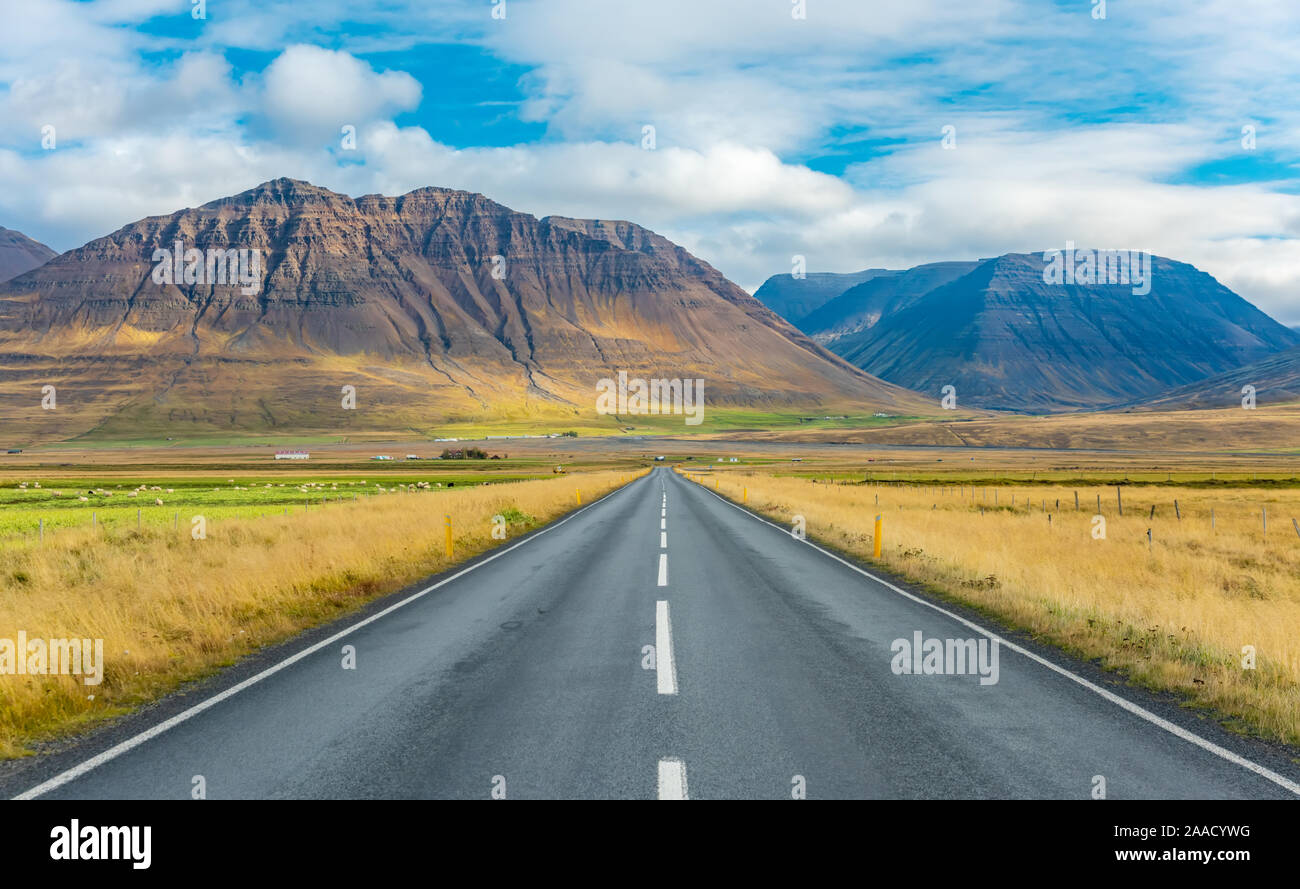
(19, 253)
(437, 305)
(1276, 380)
(860, 307)
(792, 298)
(1006, 339)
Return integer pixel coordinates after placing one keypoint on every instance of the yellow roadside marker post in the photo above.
(449, 535)
(880, 530)
(578, 494)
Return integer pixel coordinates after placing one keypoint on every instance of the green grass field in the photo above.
(742, 420)
(109, 502)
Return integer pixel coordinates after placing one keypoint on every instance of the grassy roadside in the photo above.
(172, 609)
(1172, 615)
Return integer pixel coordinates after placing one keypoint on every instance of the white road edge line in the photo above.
(130, 743)
(1176, 730)
(663, 569)
(665, 666)
(672, 779)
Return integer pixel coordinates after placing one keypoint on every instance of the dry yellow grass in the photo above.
(1269, 428)
(1174, 616)
(170, 608)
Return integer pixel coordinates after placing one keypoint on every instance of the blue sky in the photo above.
(775, 135)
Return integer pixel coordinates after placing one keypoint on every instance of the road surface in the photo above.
(662, 643)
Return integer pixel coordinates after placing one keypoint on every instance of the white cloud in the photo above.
(106, 101)
(310, 92)
(606, 180)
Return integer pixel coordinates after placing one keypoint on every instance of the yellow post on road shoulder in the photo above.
(880, 530)
(449, 535)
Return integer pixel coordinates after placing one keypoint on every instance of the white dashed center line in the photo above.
(672, 779)
(672, 771)
(665, 667)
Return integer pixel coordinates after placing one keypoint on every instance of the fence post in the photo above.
(42, 521)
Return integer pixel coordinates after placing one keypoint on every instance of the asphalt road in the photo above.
(772, 672)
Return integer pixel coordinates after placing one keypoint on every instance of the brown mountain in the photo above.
(437, 305)
(19, 253)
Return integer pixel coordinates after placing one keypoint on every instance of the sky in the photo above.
(853, 133)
